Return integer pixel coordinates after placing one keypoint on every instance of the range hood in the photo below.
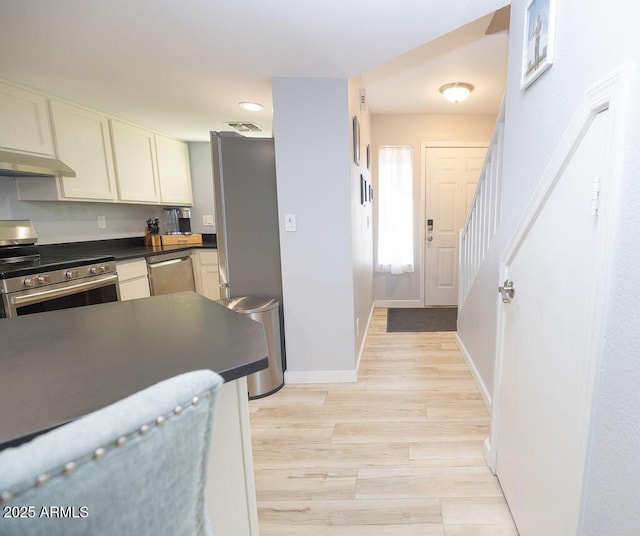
(24, 165)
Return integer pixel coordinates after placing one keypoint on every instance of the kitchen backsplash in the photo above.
(71, 221)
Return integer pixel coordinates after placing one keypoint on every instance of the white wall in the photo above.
(60, 221)
(593, 39)
(409, 129)
(312, 130)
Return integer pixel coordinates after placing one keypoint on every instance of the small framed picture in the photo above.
(539, 38)
(363, 195)
(356, 140)
(368, 156)
(371, 193)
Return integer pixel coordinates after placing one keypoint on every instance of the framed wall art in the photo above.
(368, 156)
(356, 140)
(539, 38)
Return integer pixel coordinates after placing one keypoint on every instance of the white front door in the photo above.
(549, 345)
(451, 177)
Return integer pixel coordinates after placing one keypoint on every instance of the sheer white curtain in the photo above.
(395, 210)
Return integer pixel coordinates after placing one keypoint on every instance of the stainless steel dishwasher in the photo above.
(170, 272)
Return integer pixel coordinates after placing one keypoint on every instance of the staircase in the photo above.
(484, 214)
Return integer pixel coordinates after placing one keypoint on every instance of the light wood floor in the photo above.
(399, 453)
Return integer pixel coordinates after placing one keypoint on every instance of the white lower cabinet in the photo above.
(231, 490)
(133, 280)
(205, 265)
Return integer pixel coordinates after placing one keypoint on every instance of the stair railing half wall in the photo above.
(484, 213)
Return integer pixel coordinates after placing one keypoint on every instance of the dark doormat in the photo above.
(422, 319)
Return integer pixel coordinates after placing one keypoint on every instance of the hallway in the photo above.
(399, 453)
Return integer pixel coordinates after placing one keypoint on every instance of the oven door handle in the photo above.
(50, 294)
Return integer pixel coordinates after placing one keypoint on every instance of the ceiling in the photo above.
(182, 67)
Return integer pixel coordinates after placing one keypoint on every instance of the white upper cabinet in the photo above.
(25, 124)
(173, 171)
(114, 161)
(83, 143)
(135, 163)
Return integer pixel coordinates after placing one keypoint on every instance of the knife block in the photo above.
(152, 240)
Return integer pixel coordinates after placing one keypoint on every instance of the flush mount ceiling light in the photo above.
(251, 106)
(456, 91)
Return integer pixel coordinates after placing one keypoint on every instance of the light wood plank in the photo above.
(307, 484)
(434, 529)
(421, 482)
(363, 512)
(476, 511)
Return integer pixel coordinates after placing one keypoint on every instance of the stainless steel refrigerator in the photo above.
(244, 177)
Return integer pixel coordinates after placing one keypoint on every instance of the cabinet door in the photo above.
(134, 289)
(134, 154)
(133, 281)
(83, 142)
(25, 124)
(207, 276)
(173, 171)
(210, 284)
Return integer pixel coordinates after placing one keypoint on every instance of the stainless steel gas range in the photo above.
(31, 282)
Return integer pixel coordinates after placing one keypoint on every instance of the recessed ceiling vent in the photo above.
(245, 127)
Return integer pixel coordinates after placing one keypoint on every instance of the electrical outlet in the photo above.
(102, 222)
(207, 219)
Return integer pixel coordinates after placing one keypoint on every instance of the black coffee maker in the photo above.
(184, 220)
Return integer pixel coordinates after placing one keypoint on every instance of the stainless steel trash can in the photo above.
(267, 312)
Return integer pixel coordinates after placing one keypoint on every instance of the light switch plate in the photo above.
(207, 219)
(290, 222)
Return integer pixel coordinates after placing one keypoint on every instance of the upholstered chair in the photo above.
(136, 467)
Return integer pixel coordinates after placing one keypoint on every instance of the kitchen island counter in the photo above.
(60, 365)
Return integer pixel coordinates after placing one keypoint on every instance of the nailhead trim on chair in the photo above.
(100, 452)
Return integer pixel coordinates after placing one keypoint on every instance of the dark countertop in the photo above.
(118, 248)
(60, 365)
(59, 256)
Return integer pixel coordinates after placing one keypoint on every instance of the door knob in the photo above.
(429, 238)
(508, 291)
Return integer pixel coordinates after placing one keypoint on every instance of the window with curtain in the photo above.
(395, 210)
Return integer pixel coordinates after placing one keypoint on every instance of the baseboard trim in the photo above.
(484, 392)
(364, 339)
(489, 456)
(320, 376)
(398, 303)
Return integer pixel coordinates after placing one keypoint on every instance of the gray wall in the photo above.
(202, 185)
(593, 39)
(312, 131)
(361, 223)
